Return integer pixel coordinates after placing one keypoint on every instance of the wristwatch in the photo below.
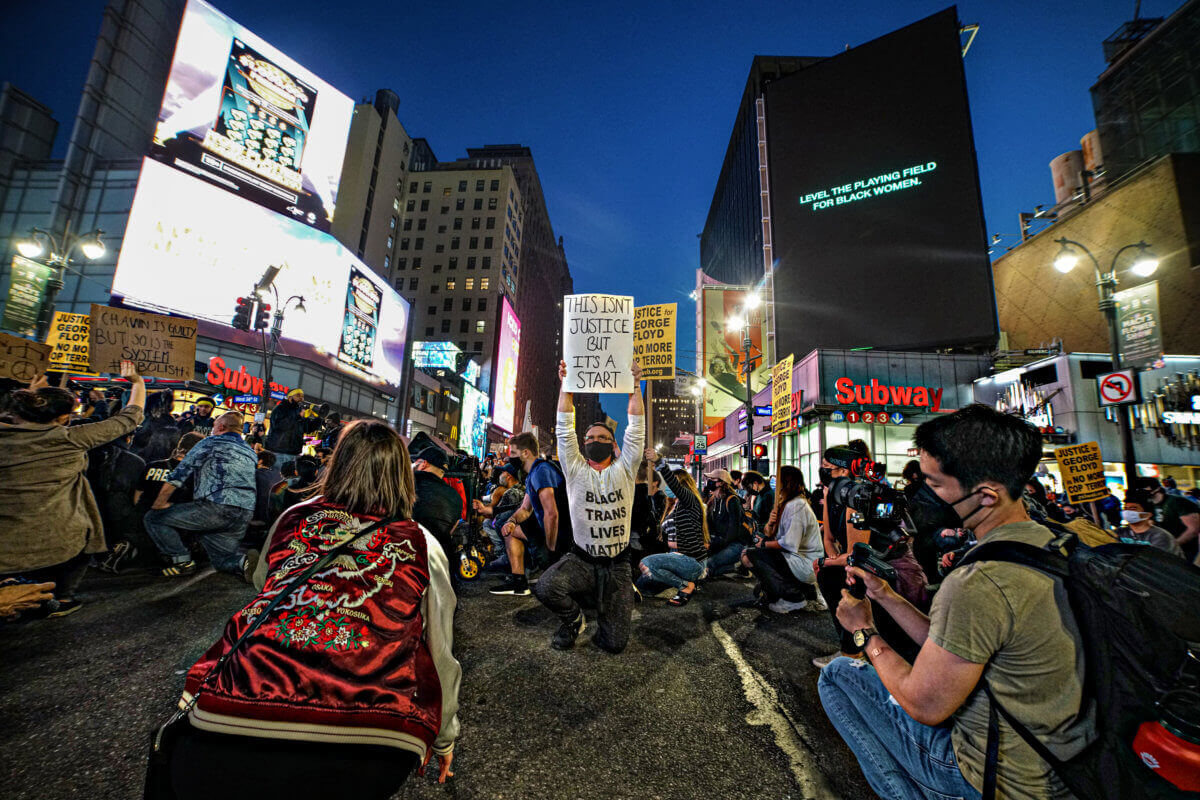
(862, 635)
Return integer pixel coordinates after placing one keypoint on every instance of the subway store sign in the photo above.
(880, 394)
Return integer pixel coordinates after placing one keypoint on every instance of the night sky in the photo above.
(628, 107)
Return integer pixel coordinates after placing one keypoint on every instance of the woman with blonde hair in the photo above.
(686, 532)
(340, 672)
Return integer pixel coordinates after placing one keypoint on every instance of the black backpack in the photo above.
(1138, 613)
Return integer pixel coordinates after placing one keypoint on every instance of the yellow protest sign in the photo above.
(20, 359)
(1082, 469)
(654, 341)
(781, 395)
(68, 342)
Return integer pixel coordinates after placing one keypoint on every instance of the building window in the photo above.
(387, 262)
(434, 288)
(478, 348)
(437, 268)
(441, 248)
(412, 284)
(478, 205)
(479, 185)
(483, 300)
(421, 224)
(462, 186)
(441, 228)
(412, 188)
(491, 223)
(429, 331)
(432, 310)
(463, 326)
(474, 223)
(403, 242)
(446, 192)
(392, 224)
(480, 326)
(458, 223)
(453, 262)
(390, 243)
(470, 262)
(445, 209)
(445, 326)
(424, 205)
(427, 188)
(411, 205)
(487, 263)
(466, 304)
(460, 204)
(454, 242)
(399, 284)
(495, 185)
(417, 262)
(408, 224)
(419, 244)
(450, 284)
(469, 284)
(448, 304)
(487, 243)
(491, 204)
(474, 242)
(401, 263)
(462, 346)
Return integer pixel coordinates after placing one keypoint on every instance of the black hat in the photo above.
(510, 469)
(842, 456)
(434, 456)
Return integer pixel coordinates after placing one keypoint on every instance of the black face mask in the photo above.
(598, 452)
(825, 476)
(952, 512)
(516, 463)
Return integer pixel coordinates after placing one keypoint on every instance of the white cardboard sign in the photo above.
(598, 343)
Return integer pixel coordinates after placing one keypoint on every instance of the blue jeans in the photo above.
(674, 568)
(900, 757)
(726, 558)
(221, 528)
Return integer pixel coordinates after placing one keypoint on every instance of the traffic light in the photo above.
(760, 451)
(242, 312)
(262, 319)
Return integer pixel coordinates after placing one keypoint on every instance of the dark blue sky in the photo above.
(628, 106)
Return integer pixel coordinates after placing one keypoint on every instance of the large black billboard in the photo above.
(876, 214)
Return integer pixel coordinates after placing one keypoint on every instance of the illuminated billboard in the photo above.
(191, 248)
(722, 359)
(508, 352)
(435, 355)
(471, 372)
(876, 218)
(241, 115)
(473, 424)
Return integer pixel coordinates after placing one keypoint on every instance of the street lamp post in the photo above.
(1106, 284)
(750, 304)
(58, 257)
(268, 350)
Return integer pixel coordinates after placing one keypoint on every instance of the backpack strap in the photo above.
(992, 754)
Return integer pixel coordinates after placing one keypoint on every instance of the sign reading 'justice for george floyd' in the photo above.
(598, 343)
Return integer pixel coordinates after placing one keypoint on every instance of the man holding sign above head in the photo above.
(600, 485)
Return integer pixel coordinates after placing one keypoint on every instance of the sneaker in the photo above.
(179, 570)
(787, 606)
(821, 662)
(817, 606)
(65, 607)
(122, 552)
(637, 594)
(515, 585)
(568, 632)
(249, 564)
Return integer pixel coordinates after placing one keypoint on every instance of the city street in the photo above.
(707, 701)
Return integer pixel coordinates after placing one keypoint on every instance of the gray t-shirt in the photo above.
(1018, 622)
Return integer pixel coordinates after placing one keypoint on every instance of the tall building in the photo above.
(372, 188)
(672, 412)
(1147, 100)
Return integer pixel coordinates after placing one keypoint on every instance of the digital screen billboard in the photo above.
(473, 424)
(435, 355)
(508, 353)
(191, 248)
(722, 359)
(471, 372)
(875, 209)
(243, 116)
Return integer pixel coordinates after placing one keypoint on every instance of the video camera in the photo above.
(874, 506)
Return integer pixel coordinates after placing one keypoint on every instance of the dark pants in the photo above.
(66, 576)
(776, 578)
(220, 527)
(611, 584)
(209, 765)
(831, 581)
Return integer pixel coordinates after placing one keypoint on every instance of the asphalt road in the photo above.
(708, 701)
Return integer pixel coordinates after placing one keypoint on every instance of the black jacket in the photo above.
(287, 429)
(438, 507)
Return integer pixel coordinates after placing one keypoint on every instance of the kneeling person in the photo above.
(600, 485)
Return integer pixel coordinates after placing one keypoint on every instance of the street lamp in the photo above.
(741, 321)
(1144, 265)
(267, 284)
(58, 256)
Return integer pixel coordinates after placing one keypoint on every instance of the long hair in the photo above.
(369, 472)
(791, 486)
(42, 405)
(689, 484)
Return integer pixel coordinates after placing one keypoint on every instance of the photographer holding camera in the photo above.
(920, 729)
(844, 527)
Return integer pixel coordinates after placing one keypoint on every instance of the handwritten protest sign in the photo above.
(1082, 470)
(781, 395)
(159, 346)
(68, 342)
(654, 341)
(598, 343)
(21, 359)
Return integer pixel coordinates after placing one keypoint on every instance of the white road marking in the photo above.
(769, 711)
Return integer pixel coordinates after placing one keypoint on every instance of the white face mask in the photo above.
(1134, 516)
